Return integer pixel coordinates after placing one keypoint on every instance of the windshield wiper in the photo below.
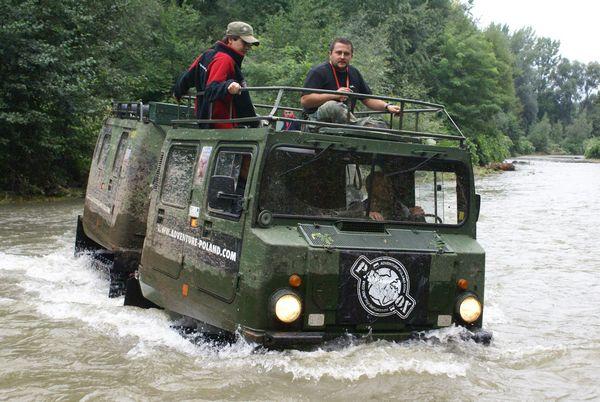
(308, 162)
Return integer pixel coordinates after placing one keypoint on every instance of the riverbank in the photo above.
(558, 158)
(7, 197)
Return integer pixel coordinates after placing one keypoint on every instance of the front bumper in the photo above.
(284, 339)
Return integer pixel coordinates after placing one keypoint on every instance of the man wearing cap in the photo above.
(338, 75)
(218, 74)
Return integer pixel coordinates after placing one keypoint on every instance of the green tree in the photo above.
(62, 64)
(568, 82)
(576, 133)
(592, 82)
(522, 43)
(469, 79)
(594, 114)
(540, 134)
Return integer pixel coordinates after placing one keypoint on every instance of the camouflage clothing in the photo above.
(337, 112)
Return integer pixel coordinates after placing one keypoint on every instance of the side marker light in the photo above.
(185, 289)
(295, 281)
(462, 284)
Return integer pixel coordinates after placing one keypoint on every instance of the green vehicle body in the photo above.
(224, 258)
(113, 224)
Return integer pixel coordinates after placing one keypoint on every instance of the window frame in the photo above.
(123, 141)
(103, 156)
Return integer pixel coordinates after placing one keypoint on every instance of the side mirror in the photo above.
(221, 194)
(477, 206)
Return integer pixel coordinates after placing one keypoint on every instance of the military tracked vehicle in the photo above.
(292, 238)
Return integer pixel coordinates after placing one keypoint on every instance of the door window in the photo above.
(177, 181)
(228, 182)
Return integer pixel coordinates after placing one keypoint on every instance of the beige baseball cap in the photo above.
(243, 30)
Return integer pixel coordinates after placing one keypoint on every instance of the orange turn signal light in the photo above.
(462, 284)
(185, 289)
(295, 281)
(194, 222)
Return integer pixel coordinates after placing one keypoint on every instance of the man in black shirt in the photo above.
(338, 75)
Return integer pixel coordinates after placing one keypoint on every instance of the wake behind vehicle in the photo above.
(297, 237)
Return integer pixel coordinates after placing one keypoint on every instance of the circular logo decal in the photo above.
(383, 286)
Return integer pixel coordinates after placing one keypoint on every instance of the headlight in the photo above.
(288, 308)
(469, 309)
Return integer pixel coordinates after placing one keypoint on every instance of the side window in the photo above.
(228, 182)
(177, 181)
(438, 193)
(103, 154)
(120, 155)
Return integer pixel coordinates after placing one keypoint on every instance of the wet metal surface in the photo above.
(62, 338)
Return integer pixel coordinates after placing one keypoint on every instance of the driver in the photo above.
(382, 203)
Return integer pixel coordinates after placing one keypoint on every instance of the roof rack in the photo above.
(398, 124)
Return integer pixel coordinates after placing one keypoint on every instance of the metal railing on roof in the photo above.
(408, 107)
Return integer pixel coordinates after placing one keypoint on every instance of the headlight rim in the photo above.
(461, 300)
(277, 296)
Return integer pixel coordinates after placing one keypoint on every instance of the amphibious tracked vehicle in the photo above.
(290, 237)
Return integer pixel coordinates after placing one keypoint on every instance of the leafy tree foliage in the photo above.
(63, 62)
(592, 148)
(539, 134)
(576, 134)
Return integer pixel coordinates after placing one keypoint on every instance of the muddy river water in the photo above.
(61, 338)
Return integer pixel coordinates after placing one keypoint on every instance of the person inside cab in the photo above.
(383, 202)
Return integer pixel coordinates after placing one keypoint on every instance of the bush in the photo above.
(556, 149)
(592, 148)
(492, 148)
(524, 146)
(472, 147)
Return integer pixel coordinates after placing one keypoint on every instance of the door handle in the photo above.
(206, 229)
(160, 215)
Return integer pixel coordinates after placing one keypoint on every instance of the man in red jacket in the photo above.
(217, 73)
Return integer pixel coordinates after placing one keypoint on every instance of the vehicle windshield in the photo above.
(339, 184)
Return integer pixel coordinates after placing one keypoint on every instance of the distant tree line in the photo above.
(63, 62)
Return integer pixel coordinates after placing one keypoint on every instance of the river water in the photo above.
(61, 338)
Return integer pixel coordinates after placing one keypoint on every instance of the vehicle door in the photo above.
(170, 217)
(215, 260)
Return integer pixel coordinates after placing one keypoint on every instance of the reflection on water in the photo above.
(61, 337)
